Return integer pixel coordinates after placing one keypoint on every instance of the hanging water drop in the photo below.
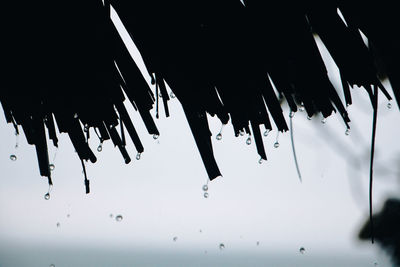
(219, 136)
(205, 195)
(155, 136)
(276, 144)
(260, 161)
(100, 148)
(205, 187)
(52, 167)
(221, 246)
(175, 238)
(13, 157)
(302, 250)
(309, 118)
(389, 105)
(248, 141)
(47, 196)
(323, 121)
(241, 133)
(301, 108)
(172, 95)
(347, 132)
(118, 218)
(291, 114)
(138, 155)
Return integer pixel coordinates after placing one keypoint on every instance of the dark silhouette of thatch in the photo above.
(65, 64)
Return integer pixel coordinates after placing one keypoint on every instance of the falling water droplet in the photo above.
(302, 250)
(248, 141)
(100, 148)
(276, 144)
(47, 196)
(389, 105)
(175, 238)
(13, 157)
(205, 187)
(138, 155)
(52, 167)
(291, 114)
(172, 95)
(205, 195)
(58, 224)
(347, 132)
(155, 136)
(266, 132)
(221, 246)
(118, 218)
(219, 136)
(260, 161)
(309, 118)
(323, 121)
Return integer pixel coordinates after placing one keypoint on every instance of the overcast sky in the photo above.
(160, 196)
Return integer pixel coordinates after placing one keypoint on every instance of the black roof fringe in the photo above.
(64, 64)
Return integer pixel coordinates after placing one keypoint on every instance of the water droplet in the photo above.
(347, 105)
(323, 121)
(241, 133)
(302, 250)
(172, 95)
(291, 114)
(389, 105)
(138, 155)
(52, 167)
(100, 148)
(118, 218)
(58, 224)
(175, 238)
(248, 141)
(258, 243)
(221, 246)
(75, 115)
(260, 161)
(301, 108)
(347, 132)
(205, 187)
(47, 196)
(309, 118)
(13, 157)
(52, 265)
(205, 195)
(276, 144)
(266, 132)
(155, 136)
(219, 136)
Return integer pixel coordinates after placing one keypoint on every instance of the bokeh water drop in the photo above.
(13, 157)
(302, 250)
(276, 144)
(175, 238)
(118, 218)
(221, 246)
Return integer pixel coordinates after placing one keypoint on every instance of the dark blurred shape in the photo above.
(386, 225)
